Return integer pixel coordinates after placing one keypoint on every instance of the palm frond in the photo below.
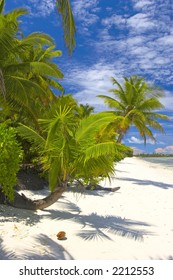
(19, 87)
(154, 124)
(2, 2)
(144, 130)
(135, 113)
(96, 167)
(36, 38)
(150, 105)
(49, 54)
(115, 82)
(54, 84)
(100, 149)
(112, 103)
(7, 42)
(155, 115)
(45, 69)
(31, 136)
(64, 8)
(88, 127)
(15, 13)
(2, 85)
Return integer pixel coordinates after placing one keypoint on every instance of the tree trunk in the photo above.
(21, 201)
(120, 137)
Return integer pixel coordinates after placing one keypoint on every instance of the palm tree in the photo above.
(70, 149)
(135, 103)
(84, 111)
(64, 9)
(27, 72)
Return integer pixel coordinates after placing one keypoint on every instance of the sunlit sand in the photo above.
(133, 223)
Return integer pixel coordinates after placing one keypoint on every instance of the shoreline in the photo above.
(133, 223)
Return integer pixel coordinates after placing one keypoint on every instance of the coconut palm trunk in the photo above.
(23, 202)
(120, 137)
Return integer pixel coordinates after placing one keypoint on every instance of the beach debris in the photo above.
(61, 235)
(115, 189)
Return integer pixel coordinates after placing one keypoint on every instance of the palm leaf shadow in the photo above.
(6, 254)
(52, 251)
(103, 226)
(147, 183)
(15, 215)
(96, 226)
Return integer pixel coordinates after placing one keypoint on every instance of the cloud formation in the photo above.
(130, 39)
(135, 140)
(165, 150)
(137, 151)
(85, 12)
(39, 8)
(145, 42)
(90, 82)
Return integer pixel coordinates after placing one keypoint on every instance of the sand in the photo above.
(134, 223)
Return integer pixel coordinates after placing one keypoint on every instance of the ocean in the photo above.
(166, 162)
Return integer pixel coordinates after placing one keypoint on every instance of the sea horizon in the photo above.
(159, 161)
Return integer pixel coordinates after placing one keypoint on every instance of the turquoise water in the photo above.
(166, 162)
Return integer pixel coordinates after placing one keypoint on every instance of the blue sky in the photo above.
(115, 38)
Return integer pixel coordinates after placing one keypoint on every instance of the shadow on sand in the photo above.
(93, 227)
(53, 251)
(147, 182)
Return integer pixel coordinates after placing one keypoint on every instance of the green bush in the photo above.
(10, 159)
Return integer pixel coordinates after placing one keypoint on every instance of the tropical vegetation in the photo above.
(39, 124)
(27, 70)
(69, 140)
(10, 159)
(136, 102)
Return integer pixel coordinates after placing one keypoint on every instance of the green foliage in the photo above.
(10, 158)
(64, 8)
(136, 103)
(1, 6)
(71, 148)
(84, 111)
(28, 71)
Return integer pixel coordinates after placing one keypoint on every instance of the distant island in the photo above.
(154, 155)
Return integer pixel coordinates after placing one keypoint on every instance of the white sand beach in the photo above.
(134, 223)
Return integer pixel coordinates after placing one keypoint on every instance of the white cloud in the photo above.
(146, 46)
(39, 8)
(115, 19)
(138, 41)
(94, 80)
(85, 12)
(136, 140)
(140, 4)
(137, 151)
(90, 82)
(168, 100)
(140, 23)
(165, 150)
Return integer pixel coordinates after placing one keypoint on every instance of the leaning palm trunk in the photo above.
(21, 201)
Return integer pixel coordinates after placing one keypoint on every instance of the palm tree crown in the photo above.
(28, 72)
(135, 103)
